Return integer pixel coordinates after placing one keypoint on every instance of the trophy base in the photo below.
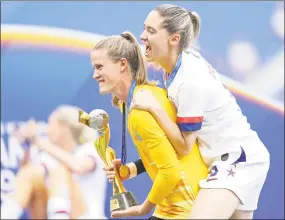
(122, 201)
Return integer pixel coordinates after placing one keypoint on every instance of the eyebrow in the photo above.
(149, 27)
(97, 66)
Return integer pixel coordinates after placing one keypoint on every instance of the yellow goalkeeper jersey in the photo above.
(175, 179)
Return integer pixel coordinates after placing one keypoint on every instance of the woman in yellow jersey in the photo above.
(119, 69)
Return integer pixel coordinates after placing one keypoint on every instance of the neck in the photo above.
(122, 90)
(169, 62)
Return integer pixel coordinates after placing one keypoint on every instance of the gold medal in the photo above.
(124, 172)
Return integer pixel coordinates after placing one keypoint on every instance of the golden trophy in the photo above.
(98, 119)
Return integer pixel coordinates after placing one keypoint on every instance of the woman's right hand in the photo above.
(111, 171)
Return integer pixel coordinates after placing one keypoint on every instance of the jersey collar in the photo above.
(174, 71)
(130, 95)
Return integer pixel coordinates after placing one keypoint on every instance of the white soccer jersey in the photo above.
(93, 185)
(204, 105)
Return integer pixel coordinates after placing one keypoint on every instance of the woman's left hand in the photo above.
(138, 210)
(27, 131)
(132, 211)
(144, 100)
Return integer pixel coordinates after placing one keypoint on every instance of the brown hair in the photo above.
(178, 20)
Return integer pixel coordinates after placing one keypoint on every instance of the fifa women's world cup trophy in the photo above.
(98, 119)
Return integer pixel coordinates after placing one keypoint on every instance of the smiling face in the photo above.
(155, 38)
(106, 71)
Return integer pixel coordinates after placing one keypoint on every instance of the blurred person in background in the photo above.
(237, 159)
(119, 69)
(66, 180)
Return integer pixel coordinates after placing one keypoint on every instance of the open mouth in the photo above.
(101, 81)
(147, 50)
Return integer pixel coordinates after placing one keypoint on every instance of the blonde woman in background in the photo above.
(67, 181)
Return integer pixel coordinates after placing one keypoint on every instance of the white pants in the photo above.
(92, 215)
(244, 179)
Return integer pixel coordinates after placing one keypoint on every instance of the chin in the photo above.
(149, 59)
(104, 91)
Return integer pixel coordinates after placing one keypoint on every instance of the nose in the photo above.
(96, 75)
(143, 36)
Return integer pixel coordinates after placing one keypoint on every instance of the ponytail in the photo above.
(196, 23)
(139, 74)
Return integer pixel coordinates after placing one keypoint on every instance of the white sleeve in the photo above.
(48, 161)
(190, 107)
(88, 150)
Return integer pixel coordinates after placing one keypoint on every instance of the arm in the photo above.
(135, 168)
(140, 167)
(25, 145)
(190, 111)
(162, 153)
(77, 164)
(25, 158)
(171, 130)
(182, 141)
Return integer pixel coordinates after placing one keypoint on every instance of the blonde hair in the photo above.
(178, 20)
(125, 46)
(68, 115)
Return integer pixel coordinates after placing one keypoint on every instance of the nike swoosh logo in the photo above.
(242, 157)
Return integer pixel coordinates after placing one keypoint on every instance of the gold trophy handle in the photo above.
(83, 118)
(106, 153)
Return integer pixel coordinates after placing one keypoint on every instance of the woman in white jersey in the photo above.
(75, 184)
(237, 159)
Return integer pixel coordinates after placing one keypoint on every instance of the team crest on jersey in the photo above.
(138, 136)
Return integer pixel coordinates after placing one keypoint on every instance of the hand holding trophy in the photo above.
(98, 119)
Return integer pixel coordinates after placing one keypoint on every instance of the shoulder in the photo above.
(191, 54)
(194, 65)
(140, 118)
(191, 87)
(159, 93)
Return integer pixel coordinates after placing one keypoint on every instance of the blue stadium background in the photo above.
(34, 80)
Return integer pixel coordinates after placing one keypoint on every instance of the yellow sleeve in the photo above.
(162, 153)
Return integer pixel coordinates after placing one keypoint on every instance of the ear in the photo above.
(123, 64)
(174, 39)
